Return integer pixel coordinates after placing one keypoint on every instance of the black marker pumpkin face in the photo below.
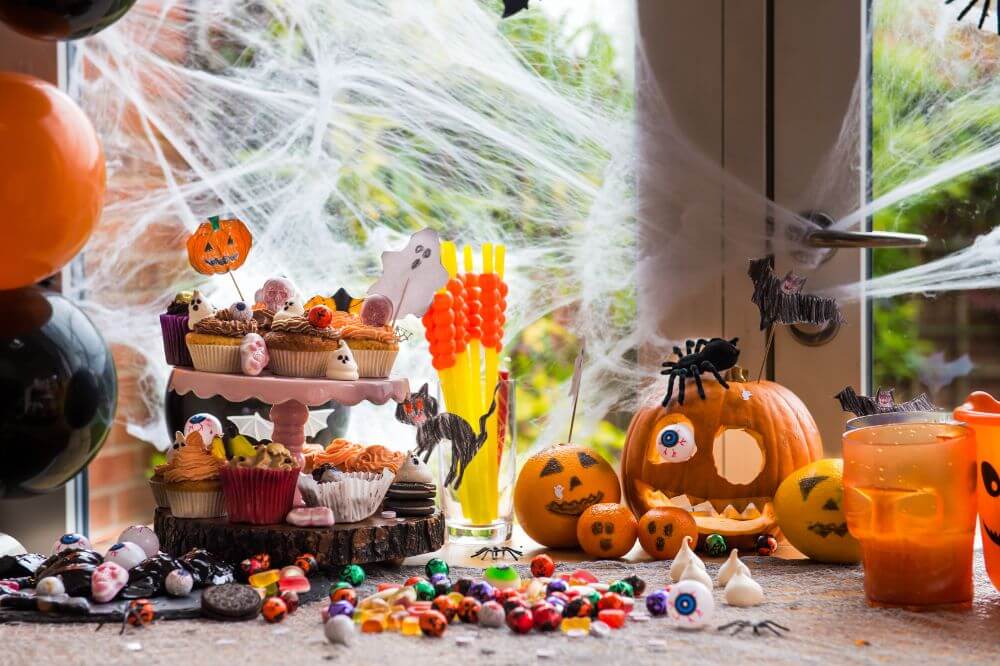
(822, 528)
(564, 503)
(991, 486)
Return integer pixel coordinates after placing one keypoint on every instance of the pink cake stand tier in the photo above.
(289, 397)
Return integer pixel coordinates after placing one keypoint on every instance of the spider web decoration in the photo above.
(983, 15)
(884, 402)
(782, 301)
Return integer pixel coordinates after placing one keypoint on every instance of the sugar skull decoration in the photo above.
(206, 426)
(554, 488)
(254, 356)
(764, 415)
(199, 308)
(71, 541)
(107, 581)
(342, 365)
(411, 276)
(275, 292)
(690, 604)
(219, 245)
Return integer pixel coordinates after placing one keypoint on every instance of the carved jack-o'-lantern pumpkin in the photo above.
(219, 246)
(669, 457)
(555, 486)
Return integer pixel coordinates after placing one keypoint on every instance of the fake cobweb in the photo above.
(336, 128)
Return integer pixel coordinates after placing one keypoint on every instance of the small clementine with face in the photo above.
(606, 531)
(555, 486)
(662, 531)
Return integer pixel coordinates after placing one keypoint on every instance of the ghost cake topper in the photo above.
(884, 402)
(781, 301)
(411, 276)
(199, 308)
(292, 307)
(342, 365)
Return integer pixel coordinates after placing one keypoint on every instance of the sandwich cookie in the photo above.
(413, 491)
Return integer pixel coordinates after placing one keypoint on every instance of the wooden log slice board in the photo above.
(373, 540)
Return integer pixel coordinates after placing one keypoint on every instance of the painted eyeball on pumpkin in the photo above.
(675, 443)
(690, 604)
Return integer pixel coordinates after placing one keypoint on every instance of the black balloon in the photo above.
(58, 391)
(61, 19)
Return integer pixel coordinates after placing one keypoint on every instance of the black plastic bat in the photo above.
(884, 402)
(782, 301)
(511, 7)
(984, 13)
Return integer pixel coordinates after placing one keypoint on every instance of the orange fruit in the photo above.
(555, 486)
(662, 531)
(606, 530)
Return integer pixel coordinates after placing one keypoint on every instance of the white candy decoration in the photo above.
(690, 604)
(71, 541)
(684, 557)
(143, 537)
(50, 586)
(698, 574)
(743, 591)
(178, 583)
(730, 568)
(107, 581)
(205, 425)
(339, 629)
(291, 308)
(198, 309)
(254, 356)
(176, 446)
(341, 364)
(126, 554)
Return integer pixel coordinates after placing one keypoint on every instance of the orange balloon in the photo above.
(52, 182)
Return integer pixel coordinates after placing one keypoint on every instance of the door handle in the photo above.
(832, 239)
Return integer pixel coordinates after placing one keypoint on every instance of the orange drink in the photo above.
(909, 498)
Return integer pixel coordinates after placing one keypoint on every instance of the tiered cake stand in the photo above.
(373, 540)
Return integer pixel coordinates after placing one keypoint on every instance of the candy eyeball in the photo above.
(143, 537)
(240, 311)
(50, 586)
(690, 604)
(675, 443)
(178, 583)
(71, 541)
(205, 425)
(126, 554)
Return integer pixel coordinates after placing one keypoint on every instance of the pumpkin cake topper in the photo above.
(712, 356)
(884, 402)
(219, 246)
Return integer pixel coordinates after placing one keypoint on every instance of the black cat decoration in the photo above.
(420, 409)
(884, 402)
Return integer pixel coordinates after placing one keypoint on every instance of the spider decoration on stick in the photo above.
(968, 8)
(712, 356)
(498, 552)
(758, 627)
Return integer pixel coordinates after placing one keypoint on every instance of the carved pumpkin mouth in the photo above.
(224, 260)
(575, 507)
(994, 536)
(826, 529)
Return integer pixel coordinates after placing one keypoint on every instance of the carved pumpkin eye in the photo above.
(675, 443)
(551, 467)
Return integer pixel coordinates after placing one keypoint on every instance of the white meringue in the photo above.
(684, 557)
(743, 591)
(732, 566)
(697, 573)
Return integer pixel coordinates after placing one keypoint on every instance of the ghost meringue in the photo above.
(685, 556)
(697, 573)
(743, 591)
(730, 568)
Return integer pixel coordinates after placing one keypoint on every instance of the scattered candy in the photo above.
(179, 583)
(557, 585)
(697, 574)
(578, 607)
(340, 608)
(264, 579)
(766, 544)
(433, 623)
(491, 615)
(291, 600)
(462, 586)
(307, 562)
(611, 600)
(611, 617)
(353, 574)
(715, 545)
(425, 591)
(468, 610)
(638, 585)
(344, 594)
(140, 612)
(520, 620)
(388, 515)
(730, 568)
(446, 607)
(71, 541)
(50, 586)
(274, 610)
(599, 629)
(339, 629)
(373, 623)
(545, 617)
(482, 591)
(690, 604)
(656, 603)
(436, 565)
(410, 626)
(623, 588)
(575, 624)
(542, 566)
(503, 577)
(582, 577)
(310, 516)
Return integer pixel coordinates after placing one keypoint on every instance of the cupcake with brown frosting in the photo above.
(374, 347)
(260, 490)
(214, 341)
(192, 481)
(300, 347)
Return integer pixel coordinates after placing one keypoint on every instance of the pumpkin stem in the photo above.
(214, 221)
(737, 374)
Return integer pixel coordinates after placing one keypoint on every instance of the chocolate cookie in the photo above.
(412, 508)
(232, 602)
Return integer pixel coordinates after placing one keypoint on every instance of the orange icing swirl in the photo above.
(192, 463)
(350, 327)
(351, 457)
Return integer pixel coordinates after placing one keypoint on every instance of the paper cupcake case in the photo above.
(196, 503)
(216, 358)
(258, 496)
(352, 498)
(374, 363)
(159, 489)
(299, 363)
(174, 328)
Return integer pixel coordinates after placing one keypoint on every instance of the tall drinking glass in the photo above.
(909, 498)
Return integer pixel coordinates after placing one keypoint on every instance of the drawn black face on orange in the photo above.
(564, 504)
(991, 484)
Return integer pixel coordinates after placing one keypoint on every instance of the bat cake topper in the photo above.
(884, 402)
(781, 301)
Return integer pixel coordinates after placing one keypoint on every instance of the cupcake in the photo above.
(174, 326)
(260, 490)
(302, 346)
(352, 496)
(158, 485)
(192, 481)
(214, 340)
(374, 347)
(349, 456)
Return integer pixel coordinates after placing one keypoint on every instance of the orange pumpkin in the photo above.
(662, 531)
(219, 246)
(555, 486)
(606, 530)
(669, 455)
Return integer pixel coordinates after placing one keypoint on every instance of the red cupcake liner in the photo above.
(174, 328)
(258, 496)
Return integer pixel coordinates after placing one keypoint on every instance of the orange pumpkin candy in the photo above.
(219, 246)
(662, 531)
(653, 473)
(606, 530)
(555, 486)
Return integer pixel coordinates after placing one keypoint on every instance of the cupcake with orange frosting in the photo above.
(350, 479)
(260, 489)
(374, 347)
(192, 481)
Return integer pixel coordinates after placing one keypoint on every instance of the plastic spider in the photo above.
(758, 627)
(498, 552)
(982, 16)
(703, 355)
